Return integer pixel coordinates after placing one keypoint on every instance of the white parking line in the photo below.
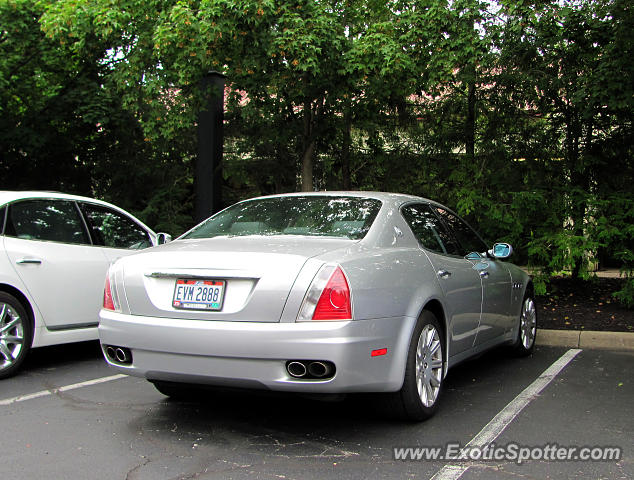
(497, 425)
(74, 386)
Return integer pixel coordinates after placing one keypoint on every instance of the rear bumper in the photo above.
(254, 355)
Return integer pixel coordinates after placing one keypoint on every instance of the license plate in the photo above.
(199, 294)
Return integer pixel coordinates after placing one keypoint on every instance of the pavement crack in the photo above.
(136, 468)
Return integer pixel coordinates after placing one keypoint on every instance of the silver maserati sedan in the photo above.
(324, 292)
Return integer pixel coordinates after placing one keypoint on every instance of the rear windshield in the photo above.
(323, 216)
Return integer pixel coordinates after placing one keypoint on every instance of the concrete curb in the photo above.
(586, 339)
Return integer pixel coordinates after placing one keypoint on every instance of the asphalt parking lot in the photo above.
(68, 416)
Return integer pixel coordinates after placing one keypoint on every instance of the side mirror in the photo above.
(162, 238)
(501, 251)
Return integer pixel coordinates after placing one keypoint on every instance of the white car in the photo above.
(55, 250)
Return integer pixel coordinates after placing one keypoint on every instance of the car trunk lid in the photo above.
(256, 273)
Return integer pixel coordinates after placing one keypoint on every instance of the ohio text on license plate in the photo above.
(199, 294)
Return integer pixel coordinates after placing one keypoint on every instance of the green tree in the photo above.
(46, 120)
(568, 63)
(518, 114)
(63, 128)
(303, 71)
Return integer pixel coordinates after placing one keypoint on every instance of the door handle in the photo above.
(484, 274)
(29, 261)
(443, 273)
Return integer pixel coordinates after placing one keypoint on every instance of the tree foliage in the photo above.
(517, 114)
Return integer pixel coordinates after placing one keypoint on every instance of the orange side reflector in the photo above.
(379, 352)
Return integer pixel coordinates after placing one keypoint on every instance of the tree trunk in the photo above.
(471, 73)
(307, 167)
(470, 124)
(345, 151)
(308, 149)
(579, 186)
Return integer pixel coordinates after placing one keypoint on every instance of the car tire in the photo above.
(16, 334)
(527, 329)
(418, 398)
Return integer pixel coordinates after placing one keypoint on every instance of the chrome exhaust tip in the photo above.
(111, 353)
(319, 369)
(310, 369)
(296, 369)
(122, 355)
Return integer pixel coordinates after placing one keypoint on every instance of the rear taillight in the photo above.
(328, 297)
(109, 297)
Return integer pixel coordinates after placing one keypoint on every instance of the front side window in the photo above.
(428, 229)
(468, 239)
(49, 220)
(114, 229)
(325, 216)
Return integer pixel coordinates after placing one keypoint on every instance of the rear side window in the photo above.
(114, 229)
(327, 216)
(50, 220)
(469, 240)
(430, 232)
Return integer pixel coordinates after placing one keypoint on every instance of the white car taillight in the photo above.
(110, 298)
(328, 297)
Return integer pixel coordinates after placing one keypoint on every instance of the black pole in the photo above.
(208, 179)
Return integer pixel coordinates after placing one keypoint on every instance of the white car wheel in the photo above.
(15, 334)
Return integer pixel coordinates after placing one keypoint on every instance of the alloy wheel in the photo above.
(11, 335)
(528, 323)
(428, 365)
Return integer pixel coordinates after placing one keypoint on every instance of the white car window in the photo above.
(113, 229)
(46, 219)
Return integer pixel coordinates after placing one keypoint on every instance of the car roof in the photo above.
(383, 196)
(7, 196)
